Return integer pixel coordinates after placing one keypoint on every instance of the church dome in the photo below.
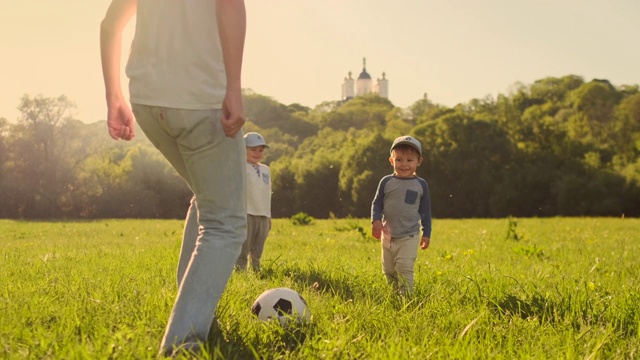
(364, 75)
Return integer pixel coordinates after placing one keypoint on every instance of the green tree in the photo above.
(154, 188)
(5, 193)
(590, 191)
(464, 160)
(317, 185)
(43, 156)
(526, 186)
(285, 189)
(315, 165)
(540, 131)
(626, 129)
(132, 182)
(267, 113)
(555, 90)
(597, 100)
(506, 115)
(368, 111)
(363, 165)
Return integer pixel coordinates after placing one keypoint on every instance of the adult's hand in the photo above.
(233, 117)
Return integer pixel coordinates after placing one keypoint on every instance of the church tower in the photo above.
(363, 85)
(347, 88)
(382, 87)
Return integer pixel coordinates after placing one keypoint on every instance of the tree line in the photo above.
(560, 146)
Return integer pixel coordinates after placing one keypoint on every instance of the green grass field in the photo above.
(557, 288)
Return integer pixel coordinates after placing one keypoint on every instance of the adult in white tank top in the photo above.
(184, 73)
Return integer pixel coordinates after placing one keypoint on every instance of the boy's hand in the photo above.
(376, 229)
(424, 242)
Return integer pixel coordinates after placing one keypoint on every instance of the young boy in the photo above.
(400, 207)
(258, 202)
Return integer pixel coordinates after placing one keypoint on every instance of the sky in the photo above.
(300, 51)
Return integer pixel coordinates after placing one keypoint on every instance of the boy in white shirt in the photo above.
(258, 203)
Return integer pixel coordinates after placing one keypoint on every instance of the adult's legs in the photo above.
(213, 166)
(157, 127)
(189, 238)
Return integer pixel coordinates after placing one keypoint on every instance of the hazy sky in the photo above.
(301, 50)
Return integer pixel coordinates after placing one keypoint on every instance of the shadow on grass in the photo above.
(231, 346)
(337, 284)
(269, 340)
(346, 287)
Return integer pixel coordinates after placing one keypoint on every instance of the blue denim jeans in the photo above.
(213, 167)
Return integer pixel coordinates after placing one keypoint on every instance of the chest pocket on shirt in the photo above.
(410, 197)
(265, 178)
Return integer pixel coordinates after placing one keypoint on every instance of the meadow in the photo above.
(553, 288)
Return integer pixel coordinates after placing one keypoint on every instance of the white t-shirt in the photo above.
(258, 190)
(176, 58)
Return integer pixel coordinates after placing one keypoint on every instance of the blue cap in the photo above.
(253, 139)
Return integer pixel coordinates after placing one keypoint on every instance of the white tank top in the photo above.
(176, 59)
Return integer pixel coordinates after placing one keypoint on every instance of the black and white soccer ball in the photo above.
(283, 304)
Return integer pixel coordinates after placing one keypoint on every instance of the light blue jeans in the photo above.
(213, 166)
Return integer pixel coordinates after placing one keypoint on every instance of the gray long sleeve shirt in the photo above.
(403, 205)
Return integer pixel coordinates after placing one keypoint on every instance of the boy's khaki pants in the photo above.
(213, 167)
(257, 233)
(398, 258)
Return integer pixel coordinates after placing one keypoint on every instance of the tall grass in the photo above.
(561, 288)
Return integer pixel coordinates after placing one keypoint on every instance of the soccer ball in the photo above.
(283, 304)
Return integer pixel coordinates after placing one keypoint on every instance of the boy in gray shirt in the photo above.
(401, 208)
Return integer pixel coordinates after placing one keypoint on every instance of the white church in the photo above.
(364, 85)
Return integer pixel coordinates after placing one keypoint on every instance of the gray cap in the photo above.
(407, 140)
(253, 139)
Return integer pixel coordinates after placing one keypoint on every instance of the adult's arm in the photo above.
(232, 26)
(119, 116)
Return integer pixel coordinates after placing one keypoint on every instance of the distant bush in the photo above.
(302, 218)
